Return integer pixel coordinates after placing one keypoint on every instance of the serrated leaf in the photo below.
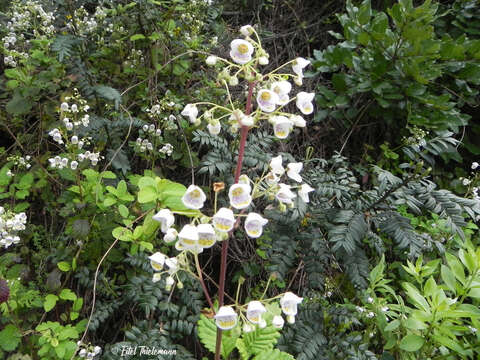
(10, 338)
(207, 333)
(274, 355)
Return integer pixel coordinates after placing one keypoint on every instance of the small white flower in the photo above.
(384, 308)
(284, 194)
(170, 235)
(233, 81)
(226, 318)
(289, 302)
(74, 108)
(304, 102)
(281, 126)
(281, 88)
(272, 178)
(97, 350)
(298, 65)
(291, 319)
(194, 197)
(74, 139)
(241, 51)
(223, 220)
(248, 328)
(206, 235)
(247, 121)
(191, 112)
(370, 300)
(267, 100)
(246, 30)
(298, 121)
(156, 277)
(276, 165)
(82, 353)
(172, 264)
(73, 165)
(474, 165)
(254, 224)
(255, 310)
(239, 195)
(263, 60)
(278, 321)
(293, 171)
(64, 106)
(165, 218)
(262, 324)
(214, 129)
(466, 181)
(188, 236)
(370, 314)
(169, 281)
(303, 192)
(244, 179)
(211, 60)
(157, 260)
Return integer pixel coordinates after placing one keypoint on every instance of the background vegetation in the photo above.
(386, 254)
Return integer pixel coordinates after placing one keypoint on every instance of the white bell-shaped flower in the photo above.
(293, 171)
(244, 179)
(254, 224)
(211, 60)
(206, 235)
(267, 100)
(272, 178)
(226, 318)
(289, 302)
(165, 218)
(276, 165)
(284, 194)
(188, 236)
(170, 235)
(156, 277)
(291, 319)
(282, 126)
(247, 121)
(298, 65)
(305, 102)
(282, 89)
(246, 328)
(246, 30)
(194, 197)
(157, 260)
(172, 264)
(298, 121)
(239, 195)
(278, 321)
(241, 51)
(255, 310)
(214, 127)
(223, 220)
(303, 192)
(191, 112)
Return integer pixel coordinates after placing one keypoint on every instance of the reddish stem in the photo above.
(223, 260)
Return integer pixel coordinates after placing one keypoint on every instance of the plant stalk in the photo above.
(223, 260)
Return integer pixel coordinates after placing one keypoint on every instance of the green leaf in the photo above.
(456, 267)
(19, 105)
(416, 297)
(68, 333)
(10, 337)
(109, 93)
(122, 234)
(147, 194)
(448, 278)
(261, 340)
(67, 294)
(170, 194)
(392, 325)
(50, 301)
(109, 201)
(64, 266)
(364, 13)
(274, 355)
(411, 342)
(137, 37)
(123, 210)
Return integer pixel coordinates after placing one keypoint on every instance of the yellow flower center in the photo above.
(156, 265)
(266, 96)
(195, 193)
(242, 48)
(237, 192)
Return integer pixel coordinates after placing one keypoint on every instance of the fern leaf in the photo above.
(261, 340)
(274, 355)
(349, 232)
(63, 46)
(207, 332)
(109, 93)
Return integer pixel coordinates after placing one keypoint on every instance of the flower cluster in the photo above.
(226, 318)
(27, 17)
(272, 91)
(10, 225)
(82, 23)
(21, 162)
(88, 351)
(74, 116)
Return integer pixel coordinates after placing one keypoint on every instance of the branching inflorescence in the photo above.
(272, 93)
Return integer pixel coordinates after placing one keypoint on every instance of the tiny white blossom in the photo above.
(241, 51)
(267, 100)
(211, 60)
(246, 30)
(223, 220)
(188, 237)
(226, 318)
(166, 218)
(170, 235)
(278, 321)
(289, 302)
(263, 60)
(73, 165)
(298, 121)
(303, 192)
(284, 194)
(214, 129)
(298, 65)
(281, 126)
(194, 197)
(254, 224)
(255, 310)
(276, 165)
(206, 235)
(239, 195)
(281, 88)
(293, 171)
(64, 106)
(191, 112)
(474, 165)
(157, 260)
(305, 102)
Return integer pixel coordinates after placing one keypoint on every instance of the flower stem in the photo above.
(223, 260)
(204, 287)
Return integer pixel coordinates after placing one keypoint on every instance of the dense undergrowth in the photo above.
(386, 254)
